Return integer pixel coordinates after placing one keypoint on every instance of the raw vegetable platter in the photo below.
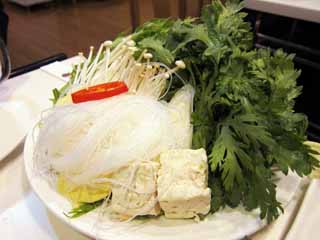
(179, 130)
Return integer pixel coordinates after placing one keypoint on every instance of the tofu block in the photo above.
(140, 195)
(183, 183)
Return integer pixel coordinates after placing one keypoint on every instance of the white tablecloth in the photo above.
(23, 216)
(308, 10)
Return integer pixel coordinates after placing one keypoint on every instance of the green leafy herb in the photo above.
(160, 53)
(83, 208)
(244, 104)
(58, 93)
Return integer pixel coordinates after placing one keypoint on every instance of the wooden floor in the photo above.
(49, 29)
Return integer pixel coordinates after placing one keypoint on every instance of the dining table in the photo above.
(24, 216)
(308, 10)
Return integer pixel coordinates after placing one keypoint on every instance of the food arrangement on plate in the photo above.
(182, 118)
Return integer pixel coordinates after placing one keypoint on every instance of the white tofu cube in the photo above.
(183, 183)
(140, 195)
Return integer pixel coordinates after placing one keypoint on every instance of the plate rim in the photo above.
(28, 170)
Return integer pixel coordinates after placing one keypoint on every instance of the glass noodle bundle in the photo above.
(88, 143)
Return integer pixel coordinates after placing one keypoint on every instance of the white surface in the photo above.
(308, 10)
(59, 69)
(225, 224)
(16, 118)
(308, 215)
(24, 216)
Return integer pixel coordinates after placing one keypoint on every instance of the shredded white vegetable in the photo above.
(85, 140)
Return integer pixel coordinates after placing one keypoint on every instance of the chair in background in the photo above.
(38, 64)
(29, 3)
(4, 20)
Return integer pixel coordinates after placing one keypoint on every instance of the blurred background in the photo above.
(40, 28)
(37, 29)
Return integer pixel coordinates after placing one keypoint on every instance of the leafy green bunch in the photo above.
(244, 104)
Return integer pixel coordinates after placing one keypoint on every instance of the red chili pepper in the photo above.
(99, 91)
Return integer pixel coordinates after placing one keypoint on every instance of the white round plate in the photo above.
(16, 117)
(225, 224)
